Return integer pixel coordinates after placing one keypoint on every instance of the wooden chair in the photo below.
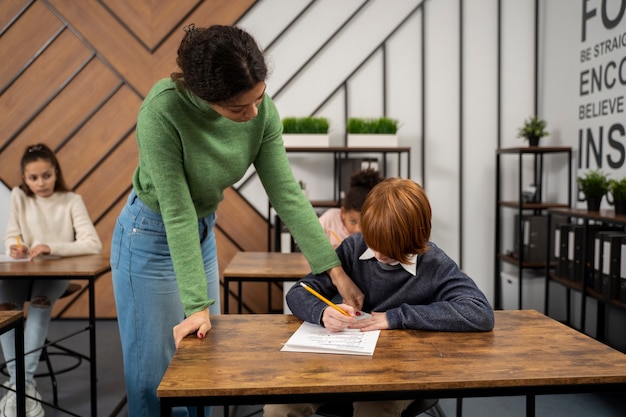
(417, 407)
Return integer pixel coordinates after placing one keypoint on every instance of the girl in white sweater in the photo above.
(45, 219)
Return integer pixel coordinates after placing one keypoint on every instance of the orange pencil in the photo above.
(19, 244)
(335, 236)
(324, 299)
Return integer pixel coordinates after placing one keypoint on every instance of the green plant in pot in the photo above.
(381, 125)
(305, 132)
(372, 132)
(617, 190)
(595, 185)
(305, 125)
(532, 130)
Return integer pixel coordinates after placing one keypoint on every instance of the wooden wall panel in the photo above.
(102, 132)
(11, 10)
(103, 185)
(39, 82)
(75, 75)
(38, 16)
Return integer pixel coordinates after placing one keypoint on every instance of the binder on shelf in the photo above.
(534, 229)
(622, 273)
(585, 272)
(607, 277)
(611, 288)
(600, 260)
(564, 267)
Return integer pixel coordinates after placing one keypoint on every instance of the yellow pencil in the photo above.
(19, 244)
(324, 299)
(335, 236)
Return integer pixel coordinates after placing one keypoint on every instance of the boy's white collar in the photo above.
(411, 267)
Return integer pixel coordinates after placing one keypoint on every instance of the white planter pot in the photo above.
(292, 140)
(358, 140)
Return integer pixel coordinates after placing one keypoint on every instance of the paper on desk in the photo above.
(7, 258)
(316, 339)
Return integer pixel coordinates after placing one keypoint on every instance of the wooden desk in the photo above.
(262, 267)
(240, 362)
(87, 267)
(14, 320)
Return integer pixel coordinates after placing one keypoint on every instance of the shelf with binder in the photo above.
(599, 269)
(528, 207)
(340, 179)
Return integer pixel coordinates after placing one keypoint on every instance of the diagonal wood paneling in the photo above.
(74, 74)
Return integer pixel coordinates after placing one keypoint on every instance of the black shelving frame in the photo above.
(538, 206)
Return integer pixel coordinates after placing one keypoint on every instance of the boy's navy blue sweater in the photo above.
(439, 297)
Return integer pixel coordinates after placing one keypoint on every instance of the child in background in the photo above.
(408, 283)
(339, 223)
(45, 218)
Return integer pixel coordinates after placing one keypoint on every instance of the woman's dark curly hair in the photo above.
(219, 63)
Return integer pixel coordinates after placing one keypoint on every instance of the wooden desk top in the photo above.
(267, 264)
(85, 265)
(8, 317)
(240, 361)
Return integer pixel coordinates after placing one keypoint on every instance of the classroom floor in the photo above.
(74, 388)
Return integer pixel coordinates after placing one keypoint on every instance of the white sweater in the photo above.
(60, 221)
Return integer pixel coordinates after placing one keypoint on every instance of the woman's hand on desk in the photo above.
(350, 293)
(199, 322)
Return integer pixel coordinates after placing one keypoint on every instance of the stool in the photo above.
(77, 357)
(417, 407)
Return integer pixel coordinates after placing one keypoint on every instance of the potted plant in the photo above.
(532, 130)
(373, 132)
(594, 184)
(305, 132)
(617, 189)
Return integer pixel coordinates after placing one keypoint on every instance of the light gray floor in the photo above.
(74, 388)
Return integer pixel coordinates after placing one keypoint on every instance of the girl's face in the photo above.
(244, 107)
(40, 176)
(352, 220)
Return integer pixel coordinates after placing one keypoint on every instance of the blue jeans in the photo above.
(147, 299)
(17, 292)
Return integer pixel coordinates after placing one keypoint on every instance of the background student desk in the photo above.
(14, 320)
(262, 267)
(85, 267)
(240, 362)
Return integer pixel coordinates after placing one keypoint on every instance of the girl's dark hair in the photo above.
(219, 63)
(35, 153)
(360, 184)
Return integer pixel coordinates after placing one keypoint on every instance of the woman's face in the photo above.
(40, 176)
(242, 108)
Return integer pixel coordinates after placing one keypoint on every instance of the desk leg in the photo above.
(530, 406)
(92, 348)
(459, 407)
(239, 297)
(226, 295)
(20, 384)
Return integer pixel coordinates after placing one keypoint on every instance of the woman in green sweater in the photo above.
(198, 132)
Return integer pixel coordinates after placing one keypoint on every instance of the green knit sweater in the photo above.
(188, 156)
